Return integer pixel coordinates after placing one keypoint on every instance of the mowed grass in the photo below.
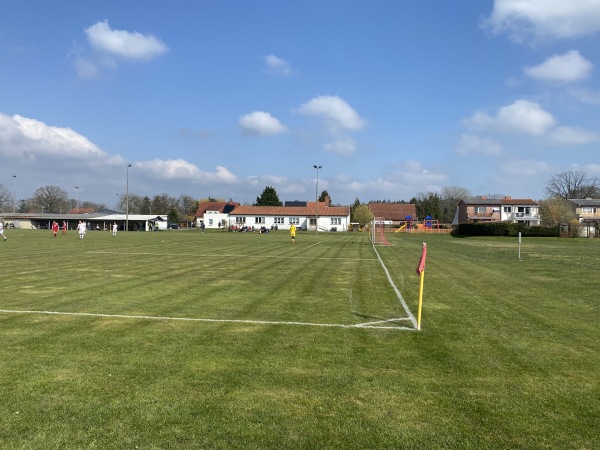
(179, 339)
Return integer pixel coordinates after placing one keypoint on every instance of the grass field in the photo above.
(181, 339)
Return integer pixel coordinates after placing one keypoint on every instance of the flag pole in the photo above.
(420, 300)
(421, 273)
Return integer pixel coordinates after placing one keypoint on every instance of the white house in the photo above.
(327, 218)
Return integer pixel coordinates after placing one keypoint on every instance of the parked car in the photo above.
(174, 226)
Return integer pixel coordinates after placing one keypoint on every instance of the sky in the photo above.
(217, 98)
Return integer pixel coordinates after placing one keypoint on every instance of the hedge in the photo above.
(505, 229)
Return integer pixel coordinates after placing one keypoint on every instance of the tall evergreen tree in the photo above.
(268, 197)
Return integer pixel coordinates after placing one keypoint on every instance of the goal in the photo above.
(378, 232)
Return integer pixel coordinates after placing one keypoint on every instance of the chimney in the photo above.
(327, 200)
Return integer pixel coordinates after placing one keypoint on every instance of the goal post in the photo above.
(378, 231)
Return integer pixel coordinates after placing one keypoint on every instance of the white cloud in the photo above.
(107, 45)
(572, 135)
(277, 66)
(32, 139)
(125, 44)
(522, 116)
(259, 123)
(585, 95)
(179, 169)
(335, 111)
(567, 68)
(474, 145)
(520, 168)
(592, 169)
(344, 145)
(524, 20)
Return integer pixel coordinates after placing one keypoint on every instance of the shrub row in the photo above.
(504, 229)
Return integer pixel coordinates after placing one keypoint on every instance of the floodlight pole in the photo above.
(77, 204)
(317, 201)
(127, 201)
(14, 194)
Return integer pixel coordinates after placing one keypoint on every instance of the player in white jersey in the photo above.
(81, 228)
(2, 230)
(115, 227)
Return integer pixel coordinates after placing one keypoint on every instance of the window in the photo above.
(240, 220)
(507, 209)
(588, 210)
(336, 221)
(210, 222)
(259, 220)
(294, 220)
(479, 209)
(278, 220)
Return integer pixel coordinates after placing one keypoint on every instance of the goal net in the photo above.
(378, 232)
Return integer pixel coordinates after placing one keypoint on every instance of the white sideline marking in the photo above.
(317, 243)
(225, 255)
(191, 319)
(389, 277)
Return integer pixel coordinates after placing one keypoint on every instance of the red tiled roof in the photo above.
(308, 210)
(393, 211)
(214, 206)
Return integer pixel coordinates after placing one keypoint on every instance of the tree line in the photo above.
(554, 209)
(55, 200)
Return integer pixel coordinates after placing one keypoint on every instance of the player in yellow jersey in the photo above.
(293, 232)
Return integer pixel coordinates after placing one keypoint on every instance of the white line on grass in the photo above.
(389, 277)
(223, 255)
(192, 319)
(317, 243)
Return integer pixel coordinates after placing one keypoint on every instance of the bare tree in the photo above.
(163, 203)
(555, 211)
(451, 196)
(187, 205)
(573, 184)
(6, 199)
(455, 193)
(51, 199)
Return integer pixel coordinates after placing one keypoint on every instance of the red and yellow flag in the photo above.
(421, 266)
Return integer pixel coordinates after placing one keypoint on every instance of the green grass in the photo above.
(507, 356)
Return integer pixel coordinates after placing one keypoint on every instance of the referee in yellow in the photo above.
(293, 233)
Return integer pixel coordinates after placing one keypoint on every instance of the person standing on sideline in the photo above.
(54, 228)
(115, 227)
(2, 230)
(293, 233)
(64, 227)
(81, 228)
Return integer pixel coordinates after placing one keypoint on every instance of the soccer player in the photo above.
(64, 227)
(293, 233)
(2, 230)
(54, 228)
(81, 228)
(115, 227)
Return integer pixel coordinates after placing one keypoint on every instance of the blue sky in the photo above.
(223, 98)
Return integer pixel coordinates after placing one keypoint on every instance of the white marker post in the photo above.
(519, 246)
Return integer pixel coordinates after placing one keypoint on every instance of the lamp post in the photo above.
(77, 204)
(127, 201)
(14, 194)
(317, 201)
